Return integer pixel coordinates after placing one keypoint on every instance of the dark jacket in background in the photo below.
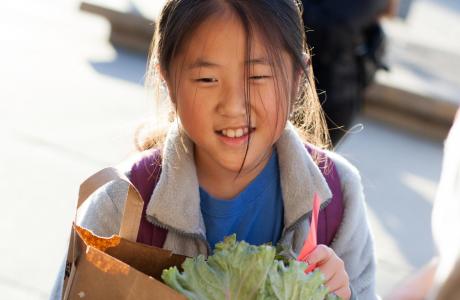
(336, 33)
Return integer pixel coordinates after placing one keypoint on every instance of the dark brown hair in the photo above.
(278, 22)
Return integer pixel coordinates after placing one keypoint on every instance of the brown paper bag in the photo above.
(116, 267)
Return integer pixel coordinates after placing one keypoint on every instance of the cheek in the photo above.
(271, 107)
(186, 99)
(193, 100)
(192, 111)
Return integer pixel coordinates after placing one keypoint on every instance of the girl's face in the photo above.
(208, 77)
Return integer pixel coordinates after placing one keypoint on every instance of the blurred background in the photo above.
(72, 94)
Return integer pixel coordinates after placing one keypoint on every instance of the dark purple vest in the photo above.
(146, 172)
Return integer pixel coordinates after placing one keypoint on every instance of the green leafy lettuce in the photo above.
(239, 271)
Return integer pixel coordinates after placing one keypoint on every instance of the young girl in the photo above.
(234, 160)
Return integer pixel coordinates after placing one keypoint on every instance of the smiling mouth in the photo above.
(236, 132)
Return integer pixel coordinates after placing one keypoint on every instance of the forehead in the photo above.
(222, 39)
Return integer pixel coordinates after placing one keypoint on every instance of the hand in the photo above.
(333, 268)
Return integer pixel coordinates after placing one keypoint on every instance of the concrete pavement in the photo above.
(424, 51)
(62, 117)
(422, 90)
(400, 172)
(69, 103)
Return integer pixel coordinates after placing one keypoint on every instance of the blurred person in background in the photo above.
(440, 278)
(348, 44)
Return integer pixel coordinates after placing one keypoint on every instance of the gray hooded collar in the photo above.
(175, 202)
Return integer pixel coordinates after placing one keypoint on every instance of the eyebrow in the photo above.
(202, 63)
(199, 63)
(260, 61)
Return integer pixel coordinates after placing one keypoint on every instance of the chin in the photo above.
(232, 167)
(235, 165)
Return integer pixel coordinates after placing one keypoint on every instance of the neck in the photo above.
(222, 183)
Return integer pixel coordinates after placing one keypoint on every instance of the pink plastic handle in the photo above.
(311, 241)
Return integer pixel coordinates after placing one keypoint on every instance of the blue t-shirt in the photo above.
(255, 215)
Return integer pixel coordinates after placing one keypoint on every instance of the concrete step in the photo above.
(421, 92)
(420, 114)
(128, 30)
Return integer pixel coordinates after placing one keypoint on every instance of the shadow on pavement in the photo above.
(399, 173)
(127, 66)
(407, 219)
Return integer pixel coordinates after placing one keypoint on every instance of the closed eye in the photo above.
(259, 77)
(206, 80)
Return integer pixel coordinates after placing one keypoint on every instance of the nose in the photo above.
(232, 102)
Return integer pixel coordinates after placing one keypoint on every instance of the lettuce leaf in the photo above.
(291, 282)
(239, 271)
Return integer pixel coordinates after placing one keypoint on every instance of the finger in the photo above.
(334, 265)
(337, 281)
(328, 270)
(344, 292)
(319, 254)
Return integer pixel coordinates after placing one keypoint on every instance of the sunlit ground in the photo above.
(69, 103)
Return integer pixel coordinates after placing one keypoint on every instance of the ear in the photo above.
(306, 60)
(159, 70)
(299, 72)
(306, 57)
(298, 79)
(166, 82)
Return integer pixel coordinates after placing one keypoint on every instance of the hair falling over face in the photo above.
(277, 22)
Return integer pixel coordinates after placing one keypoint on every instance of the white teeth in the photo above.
(230, 133)
(235, 133)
